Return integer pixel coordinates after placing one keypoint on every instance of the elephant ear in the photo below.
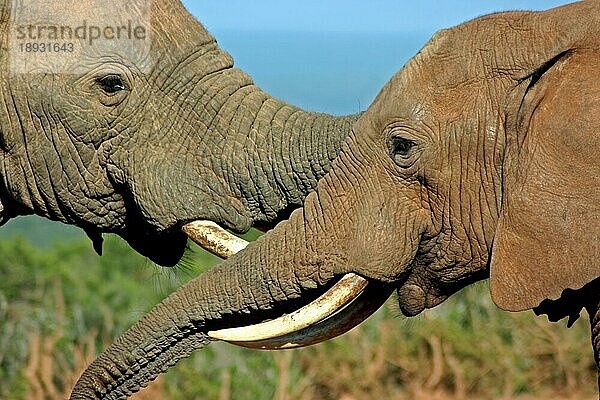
(548, 237)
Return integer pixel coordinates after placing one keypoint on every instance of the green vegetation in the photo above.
(60, 305)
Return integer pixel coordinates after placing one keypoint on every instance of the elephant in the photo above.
(477, 160)
(140, 141)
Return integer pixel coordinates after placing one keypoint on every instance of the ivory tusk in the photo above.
(336, 298)
(213, 238)
(349, 302)
(367, 303)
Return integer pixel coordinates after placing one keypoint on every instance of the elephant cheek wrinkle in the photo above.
(411, 299)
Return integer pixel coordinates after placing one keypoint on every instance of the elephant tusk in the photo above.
(343, 292)
(363, 306)
(210, 236)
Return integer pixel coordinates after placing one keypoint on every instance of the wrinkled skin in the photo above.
(141, 151)
(478, 158)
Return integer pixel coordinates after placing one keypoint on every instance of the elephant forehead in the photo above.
(426, 90)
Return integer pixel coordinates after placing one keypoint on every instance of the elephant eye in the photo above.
(112, 84)
(401, 150)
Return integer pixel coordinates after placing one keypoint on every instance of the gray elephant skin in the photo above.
(479, 159)
(140, 153)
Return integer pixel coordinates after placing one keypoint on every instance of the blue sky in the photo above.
(349, 15)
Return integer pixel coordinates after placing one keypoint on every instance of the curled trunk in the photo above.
(295, 264)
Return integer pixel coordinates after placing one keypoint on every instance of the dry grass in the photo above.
(49, 373)
(52, 370)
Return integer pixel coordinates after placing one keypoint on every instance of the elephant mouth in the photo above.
(350, 301)
(152, 244)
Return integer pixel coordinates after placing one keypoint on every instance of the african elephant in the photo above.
(478, 159)
(142, 142)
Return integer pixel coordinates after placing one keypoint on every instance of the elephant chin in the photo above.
(163, 248)
(411, 299)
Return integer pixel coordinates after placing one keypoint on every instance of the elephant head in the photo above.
(478, 158)
(140, 140)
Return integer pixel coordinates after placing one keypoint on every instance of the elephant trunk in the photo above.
(257, 157)
(277, 152)
(242, 290)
